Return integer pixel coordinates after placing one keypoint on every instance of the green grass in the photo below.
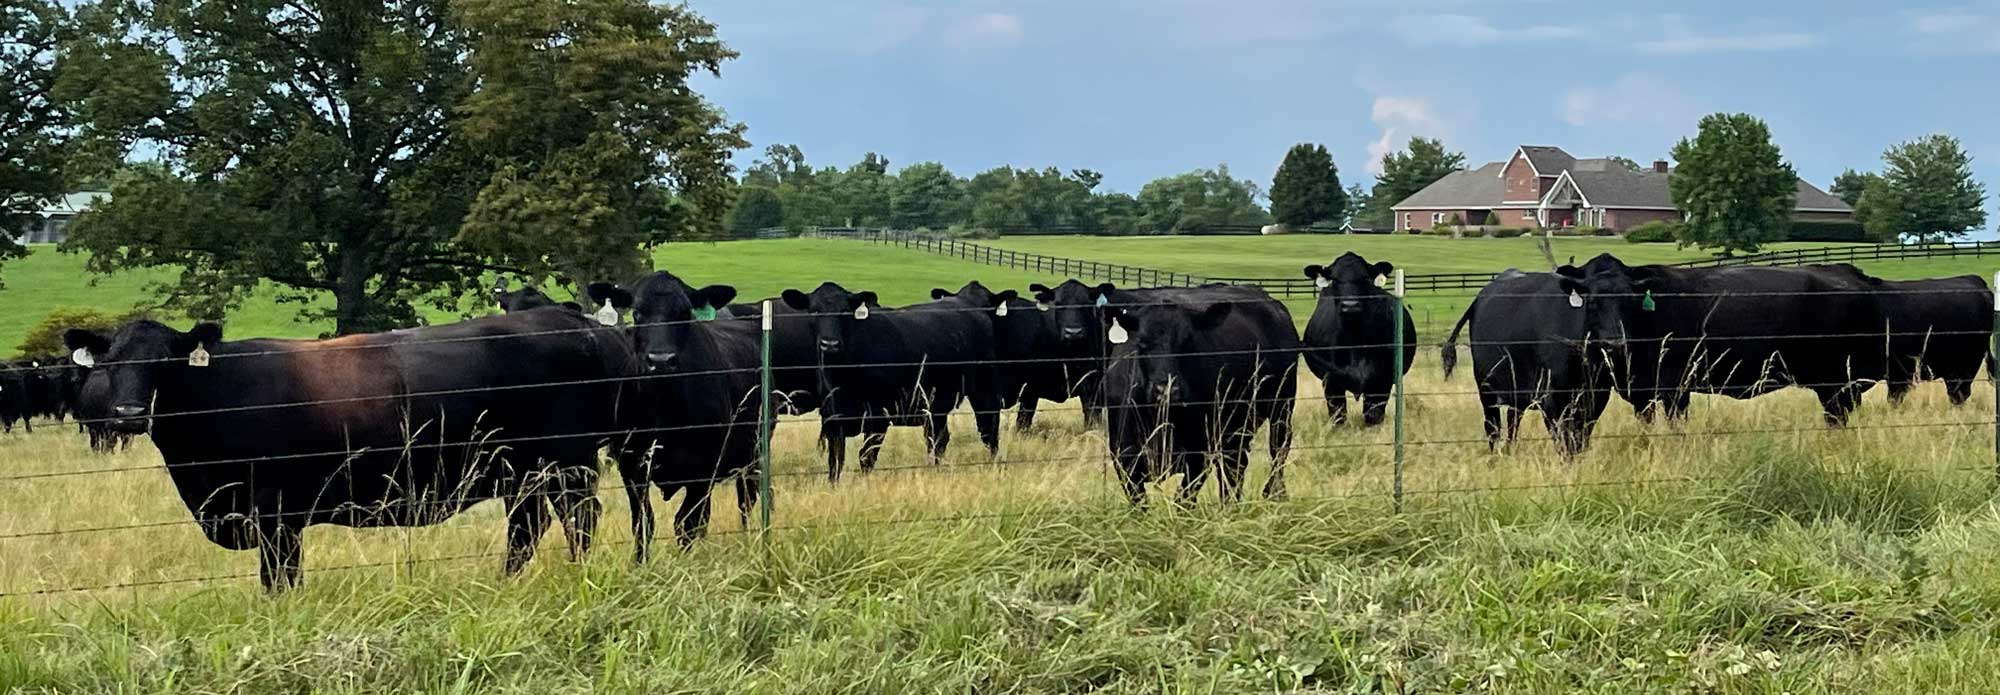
(758, 269)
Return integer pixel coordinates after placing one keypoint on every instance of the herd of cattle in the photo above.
(264, 437)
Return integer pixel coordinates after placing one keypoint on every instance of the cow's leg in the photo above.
(691, 521)
(1281, 450)
(1958, 390)
(746, 495)
(872, 432)
(835, 441)
(986, 418)
(1024, 414)
(1898, 390)
(1839, 402)
(937, 435)
(1232, 463)
(279, 553)
(1336, 406)
(577, 506)
(527, 520)
(1131, 463)
(1194, 474)
(1489, 413)
(1374, 408)
(642, 517)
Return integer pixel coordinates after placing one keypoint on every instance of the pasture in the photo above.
(1748, 550)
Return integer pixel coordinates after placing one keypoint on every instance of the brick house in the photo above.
(1544, 187)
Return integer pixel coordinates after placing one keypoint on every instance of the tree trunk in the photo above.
(350, 294)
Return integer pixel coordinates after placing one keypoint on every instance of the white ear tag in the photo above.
(1000, 310)
(1044, 306)
(82, 357)
(1575, 300)
(1321, 282)
(861, 313)
(607, 315)
(198, 358)
(1117, 335)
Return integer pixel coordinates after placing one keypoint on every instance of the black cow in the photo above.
(404, 428)
(702, 397)
(1739, 332)
(1350, 340)
(1528, 352)
(16, 403)
(1077, 319)
(528, 297)
(910, 367)
(1194, 375)
(1939, 329)
(1024, 343)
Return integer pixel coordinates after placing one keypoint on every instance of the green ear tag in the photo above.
(1647, 302)
(704, 313)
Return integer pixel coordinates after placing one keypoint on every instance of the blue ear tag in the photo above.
(1101, 300)
(704, 313)
(1646, 303)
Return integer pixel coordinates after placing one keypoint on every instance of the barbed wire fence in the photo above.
(766, 399)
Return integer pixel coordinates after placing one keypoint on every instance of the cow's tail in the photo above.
(1448, 350)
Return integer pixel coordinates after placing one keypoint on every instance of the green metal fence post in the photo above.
(764, 429)
(1995, 378)
(1396, 320)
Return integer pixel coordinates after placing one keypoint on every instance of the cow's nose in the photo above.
(829, 345)
(663, 360)
(1072, 332)
(129, 410)
(1350, 305)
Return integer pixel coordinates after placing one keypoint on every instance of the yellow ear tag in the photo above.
(607, 315)
(1000, 310)
(198, 358)
(1117, 335)
(82, 358)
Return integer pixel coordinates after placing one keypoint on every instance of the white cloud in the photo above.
(892, 27)
(988, 28)
(1399, 117)
(1732, 43)
(1632, 99)
(1463, 30)
(1958, 31)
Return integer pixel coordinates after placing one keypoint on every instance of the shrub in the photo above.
(46, 337)
(1440, 229)
(1507, 232)
(1657, 232)
(1817, 230)
(1570, 231)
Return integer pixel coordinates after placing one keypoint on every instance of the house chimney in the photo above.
(1659, 166)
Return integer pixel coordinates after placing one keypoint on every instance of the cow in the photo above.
(1024, 344)
(1076, 318)
(702, 395)
(93, 413)
(528, 297)
(1194, 374)
(909, 366)
(1939, 329)
(1528, 353)
(1739, 332)
(263, 438)
(16, 403)
(1350, 339)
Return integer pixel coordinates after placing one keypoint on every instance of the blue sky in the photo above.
(1139, 89)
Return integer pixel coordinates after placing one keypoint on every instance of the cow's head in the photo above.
(1351, 282)
(135, 359)
(664, 311)
(834, 311)
(1079, 317)
(976, 295)
(528, 297)
(1159, 340)
(1614, 298)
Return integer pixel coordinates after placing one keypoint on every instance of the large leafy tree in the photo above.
(1404, 173)
(927, 195)
(30, 119)
(1733, 184)
(1306, 189)
(756, 208)
(1926, 190)
(385, 155)
(1850, 184)
(1199, 200)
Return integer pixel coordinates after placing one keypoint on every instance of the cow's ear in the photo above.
(938, 293)
(1043, 295)
(207, 333)
(863, 297)
(1038, 288)
(1383, 268)
(1208, 317)
(573, 306)
(1569, 285)
(796, 300)
(606, 293)
(717, 296)
(92, 341)
(1102, 291)
(1313, 271)
(1570, 271)
(1005, 296)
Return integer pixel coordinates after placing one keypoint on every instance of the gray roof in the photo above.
(1548, 161)
(1459, 188)
(1603, 182)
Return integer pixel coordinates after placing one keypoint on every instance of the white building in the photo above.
(51, 226)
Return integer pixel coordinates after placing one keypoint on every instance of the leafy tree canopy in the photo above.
(1734, 185)
(1306, 189)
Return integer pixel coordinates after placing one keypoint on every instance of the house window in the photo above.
(1406, 221)
(1437, 218)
